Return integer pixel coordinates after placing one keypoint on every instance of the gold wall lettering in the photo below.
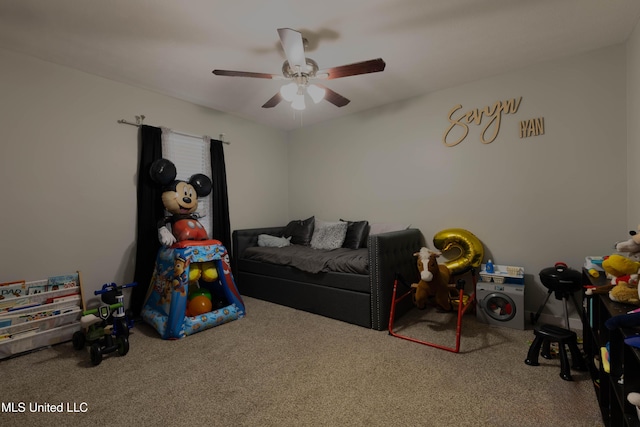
(532, 127)
(492, 112)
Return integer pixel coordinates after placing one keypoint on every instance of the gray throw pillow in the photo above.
(356, 234)
(266, 240)
(328, 235)
(300, 231)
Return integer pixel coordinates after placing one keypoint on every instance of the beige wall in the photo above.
(633, 129)
(69, 169)
(533, 201)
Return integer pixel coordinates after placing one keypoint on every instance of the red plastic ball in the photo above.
(199, 305)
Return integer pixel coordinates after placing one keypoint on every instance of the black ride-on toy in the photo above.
(95, 324)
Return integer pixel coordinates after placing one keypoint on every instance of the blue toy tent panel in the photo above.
(197, 265)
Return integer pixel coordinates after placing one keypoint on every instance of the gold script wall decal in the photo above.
(532, 127)
(491, 128)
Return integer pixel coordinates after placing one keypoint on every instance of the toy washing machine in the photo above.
(501, 304)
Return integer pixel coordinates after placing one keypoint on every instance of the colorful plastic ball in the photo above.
(199, 305)
(195, 272)
(199, 291)
(209, 272)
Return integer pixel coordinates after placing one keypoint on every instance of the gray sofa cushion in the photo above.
(357, 233)
(300, 231)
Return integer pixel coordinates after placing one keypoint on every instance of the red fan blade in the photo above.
(334, 97)
(245, 74)
(364, 67)
(273, 101)
(293, 46)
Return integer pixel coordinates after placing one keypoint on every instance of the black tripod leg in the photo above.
(578, 308)
(535, 318)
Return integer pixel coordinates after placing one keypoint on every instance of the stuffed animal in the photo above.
(634, 399)
(623, 273)
(625, 292)
(434, 280)
(627, 279)
(618, 265)
(631, 247)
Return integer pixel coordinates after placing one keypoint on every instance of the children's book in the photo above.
(37, 287)
(55, 283)
(12, 290)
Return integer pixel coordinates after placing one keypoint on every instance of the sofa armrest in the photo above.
(247, 238)
(391, 253)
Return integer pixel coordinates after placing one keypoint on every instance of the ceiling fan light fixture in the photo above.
(316, 93)
(289, 91)
(301, 70)
(298, 102)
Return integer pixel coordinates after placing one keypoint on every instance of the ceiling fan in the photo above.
(300, 71)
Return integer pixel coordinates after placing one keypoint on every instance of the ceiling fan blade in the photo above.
(245, 74)
(334, 97)
(273, 101)
(364, 67)
(293, 46)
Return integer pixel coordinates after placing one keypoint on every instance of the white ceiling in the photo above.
(171, 47)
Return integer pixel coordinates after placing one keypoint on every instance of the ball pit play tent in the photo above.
(197, 265)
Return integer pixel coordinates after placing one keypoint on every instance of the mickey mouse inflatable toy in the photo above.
(180, 199)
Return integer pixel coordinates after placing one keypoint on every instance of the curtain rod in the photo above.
(221, 136)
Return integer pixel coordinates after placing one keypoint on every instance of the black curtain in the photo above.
(220, 228)
(150, 211)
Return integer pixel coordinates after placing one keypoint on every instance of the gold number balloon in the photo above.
(470, 248)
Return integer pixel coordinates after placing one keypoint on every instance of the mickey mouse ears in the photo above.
(162, 171)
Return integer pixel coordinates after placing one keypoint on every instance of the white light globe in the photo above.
(288, 91)
(316, 93)
(298, 102)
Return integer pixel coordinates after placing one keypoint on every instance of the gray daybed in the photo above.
(360, 298)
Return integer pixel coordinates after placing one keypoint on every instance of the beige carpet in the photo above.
(279, 366)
